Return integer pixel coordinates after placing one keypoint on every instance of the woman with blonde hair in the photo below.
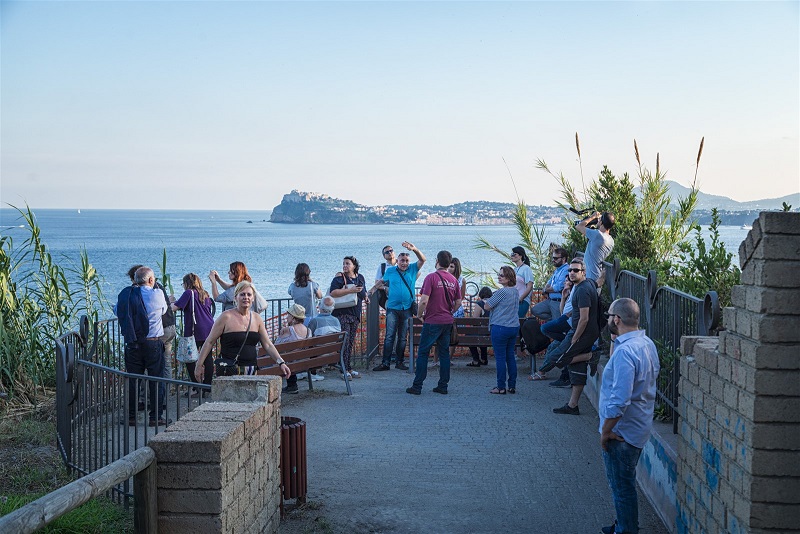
(239, 330)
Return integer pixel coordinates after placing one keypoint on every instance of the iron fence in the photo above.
(666, 315)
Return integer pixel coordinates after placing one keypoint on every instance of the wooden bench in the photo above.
(472, 332)
(307, 354)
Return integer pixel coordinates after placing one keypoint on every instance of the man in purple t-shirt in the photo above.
(441, 296)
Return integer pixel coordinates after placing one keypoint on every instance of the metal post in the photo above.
(373, 329)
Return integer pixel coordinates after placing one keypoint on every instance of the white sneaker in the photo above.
(355, 374)
(301, 376)
(317, 378)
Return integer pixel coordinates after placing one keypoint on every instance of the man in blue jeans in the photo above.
(627, 401)
(400, 280)
(441, 296)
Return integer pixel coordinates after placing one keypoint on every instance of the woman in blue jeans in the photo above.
(504, 325)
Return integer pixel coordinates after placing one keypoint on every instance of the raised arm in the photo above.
(417, 252)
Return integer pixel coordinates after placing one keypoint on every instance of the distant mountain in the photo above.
(706, 201)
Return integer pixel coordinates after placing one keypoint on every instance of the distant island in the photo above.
(300, 207)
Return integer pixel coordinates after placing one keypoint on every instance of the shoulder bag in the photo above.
(383, 296)
(187, 346)
(230, 366)
(346, 301)
(414, 307)
(454, 330)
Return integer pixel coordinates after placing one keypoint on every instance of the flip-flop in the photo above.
(497, 391)
(537, 376)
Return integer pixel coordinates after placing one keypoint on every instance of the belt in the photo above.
(555, 299)
(153, 339)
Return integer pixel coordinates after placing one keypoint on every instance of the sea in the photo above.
(199, 241)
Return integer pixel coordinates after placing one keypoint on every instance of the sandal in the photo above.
(512, 390)
(538, 376)
(474, 364)
(497, 391)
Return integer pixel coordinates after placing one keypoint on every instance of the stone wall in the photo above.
(739, 442)
(218, 466)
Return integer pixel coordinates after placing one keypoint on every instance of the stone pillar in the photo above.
(739, 442)
(218, 466)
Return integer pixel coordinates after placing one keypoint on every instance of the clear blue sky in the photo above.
(229, 105)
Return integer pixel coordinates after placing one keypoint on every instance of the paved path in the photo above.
(469, 462)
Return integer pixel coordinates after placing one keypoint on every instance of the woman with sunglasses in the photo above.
(504, 327)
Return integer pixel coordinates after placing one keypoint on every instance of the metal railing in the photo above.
(666, 315)
(93, 425)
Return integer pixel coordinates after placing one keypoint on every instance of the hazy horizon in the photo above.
(230, 105)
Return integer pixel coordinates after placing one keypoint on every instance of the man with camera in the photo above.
(600, 242)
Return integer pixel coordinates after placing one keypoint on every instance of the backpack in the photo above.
(383, 296)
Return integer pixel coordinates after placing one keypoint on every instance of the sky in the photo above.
(231, 105)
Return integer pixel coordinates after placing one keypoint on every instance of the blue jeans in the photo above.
(557, 328)
(140, 357)
(396, 328)
(621, 459)
(438, 334)
(503, 340)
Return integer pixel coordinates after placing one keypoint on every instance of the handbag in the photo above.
(414, 306)
(187, 346)
(230, 366)
(346, 301)
(454, 329)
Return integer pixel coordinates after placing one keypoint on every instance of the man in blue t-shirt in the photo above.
(399, 280)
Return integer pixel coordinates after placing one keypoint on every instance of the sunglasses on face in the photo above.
(385, 252)
(574, 270)
(611, 314)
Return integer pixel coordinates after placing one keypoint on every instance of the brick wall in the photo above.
(739, 442)
(218, 467)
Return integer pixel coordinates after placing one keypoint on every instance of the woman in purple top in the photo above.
(198, 318)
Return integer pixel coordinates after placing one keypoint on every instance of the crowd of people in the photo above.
(566, 324)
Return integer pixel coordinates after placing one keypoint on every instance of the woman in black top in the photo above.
(350, 317)
(239, 331)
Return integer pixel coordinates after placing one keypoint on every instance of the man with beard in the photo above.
(627, 401)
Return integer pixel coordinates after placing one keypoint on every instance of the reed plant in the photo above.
(37, 305)
(531, 238)
(650, 226)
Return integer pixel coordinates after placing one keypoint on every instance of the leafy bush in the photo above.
(648, 229)
(703, 268)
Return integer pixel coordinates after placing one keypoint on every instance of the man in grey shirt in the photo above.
(600, 243)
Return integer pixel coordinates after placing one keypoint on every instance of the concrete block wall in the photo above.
(739, 437)
(218, 467)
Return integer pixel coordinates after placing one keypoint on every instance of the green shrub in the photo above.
(703, 268)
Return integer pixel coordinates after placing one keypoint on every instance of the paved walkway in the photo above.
(386, 461)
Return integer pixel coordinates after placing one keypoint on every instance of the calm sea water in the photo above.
(198, 241)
